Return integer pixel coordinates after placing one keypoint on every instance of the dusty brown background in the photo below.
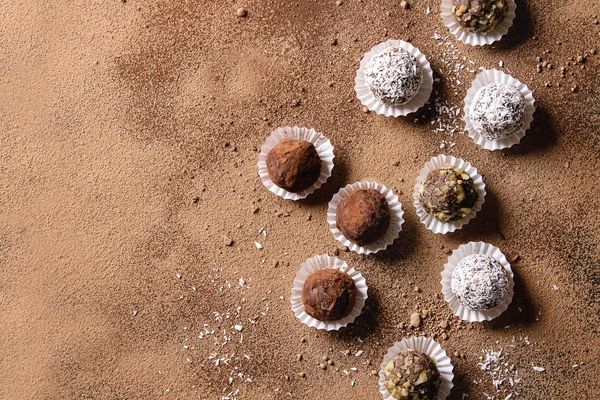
(128, 150)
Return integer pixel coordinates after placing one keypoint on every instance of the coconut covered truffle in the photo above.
(448, 194)
(412, 376)
(294, 165)
(479, 16)
(497, 111)
(479, 282)
(394, 76)
(329, 295)
(363, 216)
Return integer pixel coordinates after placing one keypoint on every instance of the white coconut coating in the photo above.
(394, 76)
(479, 282)
(497, 111)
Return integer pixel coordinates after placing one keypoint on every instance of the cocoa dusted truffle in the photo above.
(394, 76)
(479, 282)
(448, 194)
(363, 216)
(412, 376)
(479, 16)
(294, 165)
(497, 111)
(328, 295)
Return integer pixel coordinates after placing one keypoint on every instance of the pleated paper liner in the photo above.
(474, 38)
(427, 346)
(369, 100)
(427, 219)
(484, 78)
(324, 149)
(396, 220)
(465, 313)
(317, 263)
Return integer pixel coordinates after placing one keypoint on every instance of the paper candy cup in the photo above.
(315, 264)
(474, 38)
(427, 219)
(396, 220)
(324, 149)
(427, 346)
(369, 100)
(465, 313)
(484, 78)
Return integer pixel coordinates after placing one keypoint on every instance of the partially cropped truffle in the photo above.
(294, 165)
(412, 376)
(479, 16)
(497, 111)
(329, 295)
(479, 282)
(448, 194)
(394, 76)
(363, 216)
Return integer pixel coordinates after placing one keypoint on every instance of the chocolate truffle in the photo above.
(448, 194)
(497, 111)
(394, 76)
(479, 16)
(294, 165)
(328, 295)
(479, 282)
(412, 376)
(363, 216)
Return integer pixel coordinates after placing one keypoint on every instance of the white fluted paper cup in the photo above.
(396, 219)
(433, 224)
(322, 145)
(368, 99)
(427, 346)
(475, 38)
(466, 313)
(313, 265)
(485, 78)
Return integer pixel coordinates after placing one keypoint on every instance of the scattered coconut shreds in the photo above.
(539, 369)
(456, 69)
(504, 375)
(359, 353)
(258, 245)
(218, 343)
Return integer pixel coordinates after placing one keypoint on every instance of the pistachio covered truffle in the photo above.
(448, 193)
(394, 76)
(412, 376)
(294, 165)
(479, 16)
(479, 282)
(328, 295)
(363, 216)
(497, 111)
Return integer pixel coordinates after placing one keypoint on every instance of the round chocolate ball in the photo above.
(394, 76)
(363, 216)
(497, 111)
(448, 194)
(479, 282)
(294, 165)
(328, 295)
(412, 376)
(479, 16)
